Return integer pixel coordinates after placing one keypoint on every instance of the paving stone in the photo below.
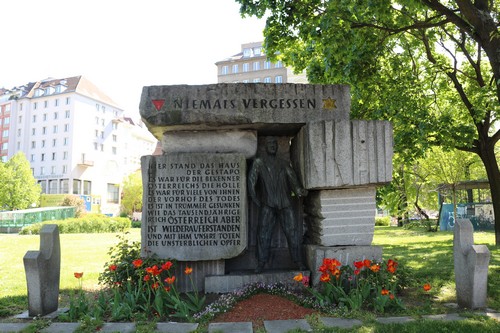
(390, 320)
(61, 328)
(12, 327)
(340, 322)
(118, 327)
(171, 327)
(445, 317)
(283, 326)
(230, 327)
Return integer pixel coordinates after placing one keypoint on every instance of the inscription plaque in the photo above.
(194, 206)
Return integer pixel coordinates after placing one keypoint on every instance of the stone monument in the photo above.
(196, 207)
(43, 269)
(471, 266)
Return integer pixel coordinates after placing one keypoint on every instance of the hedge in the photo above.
(89, 223)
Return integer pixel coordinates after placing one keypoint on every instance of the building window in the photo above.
(43, 157)
(245, 81)
(278, 79)
(32, 159)
(66, 127)
(247, 52)
(52, 186)
(21, 107)
(54, 142)
(235, 68)
(113, 150)
(76, 186)
(44, 130)
(115, 126)
(96, 133)
(97, 120)
(87, 187)
(55, 128)
(113, 193)
(56, 102)
(257, 51)
(43, 185)
(278, 64)
(114, 137)
(246, 67)
(65, 142)
(256, 66)
(45, 104)
(64, 169)
(20, 119)
(267, 65)
(33, 144)
(4, 146)
(44, 117)
(53, 171)
(42, 170)
(55, 115)
(18, 145)
(67, 100)
(5, 133)
(64, 185)
(224, 70)
(267, 79)
(102, 135)
(66, 114)
(102, 147)
(34, 118)
(43, 143)
(6, 120)
(257, 80)
(18, 132)
(65, 155)
(96, 146)
(53, 156)
(35, 105)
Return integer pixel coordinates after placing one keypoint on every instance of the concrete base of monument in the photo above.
(345, 254)
(234, 281)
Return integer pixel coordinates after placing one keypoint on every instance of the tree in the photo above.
(18, 187)
(431, 67)
(76, 201)
(132, 193)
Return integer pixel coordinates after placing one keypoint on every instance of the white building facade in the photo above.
(76, 138)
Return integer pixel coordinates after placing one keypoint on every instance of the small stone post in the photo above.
(471, 267)
(42, 273)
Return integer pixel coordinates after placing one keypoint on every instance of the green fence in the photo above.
(13, 221)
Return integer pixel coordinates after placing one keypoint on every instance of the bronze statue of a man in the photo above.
(277, 181)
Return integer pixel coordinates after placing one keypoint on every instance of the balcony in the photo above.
(84, 161)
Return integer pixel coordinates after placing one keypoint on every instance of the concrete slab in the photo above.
(340, 322)
(52, 315)
(118, 327)
(230, 327)
(445, 317)
(12, 327)
(391, 320)
(283, 326)
(172, 327)
(61, 328)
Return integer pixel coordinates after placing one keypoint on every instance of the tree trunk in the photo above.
(487, 155)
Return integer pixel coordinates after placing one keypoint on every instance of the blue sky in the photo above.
(121, 46)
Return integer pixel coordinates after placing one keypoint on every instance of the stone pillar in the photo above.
(43, 269)
(471, 266)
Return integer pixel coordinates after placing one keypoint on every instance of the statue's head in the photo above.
(271, 145)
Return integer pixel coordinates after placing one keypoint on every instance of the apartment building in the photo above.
(251, 65)
(75, 137)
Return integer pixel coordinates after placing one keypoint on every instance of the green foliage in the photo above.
(383, 221)
(89, 223)
(75, 201)
(366, 284)
(431, 68)
(18, 187)
(132, 193)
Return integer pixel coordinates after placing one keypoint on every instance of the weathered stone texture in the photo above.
(222, 142)
(471, 266)
(43, 269)
(277, 107)
(344, 153)
(340, 217)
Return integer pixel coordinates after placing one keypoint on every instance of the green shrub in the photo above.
(75, 201)
(89, 223)
(383, 221)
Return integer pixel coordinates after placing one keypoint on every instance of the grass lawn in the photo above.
(427, 256)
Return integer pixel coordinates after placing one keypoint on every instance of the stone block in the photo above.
(340, 217)
(226, 142)
(240, 327)
(343, 153)
(195, 206)
(345, 254)
(174, 327)
(283, 107)
(471, 266)
(43, 269)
